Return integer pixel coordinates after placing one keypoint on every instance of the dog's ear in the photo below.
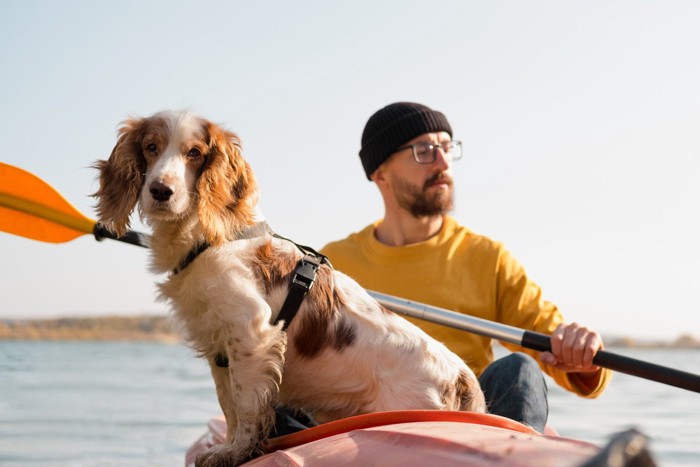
(121, 178)
(227, 187)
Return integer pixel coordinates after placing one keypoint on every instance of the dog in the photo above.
(342, 355)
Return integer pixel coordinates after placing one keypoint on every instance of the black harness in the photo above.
(256, 230)
(302, 278)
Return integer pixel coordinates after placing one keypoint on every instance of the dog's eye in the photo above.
(152, 148)
(194, 153)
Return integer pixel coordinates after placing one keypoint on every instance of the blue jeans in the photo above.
(515, 388)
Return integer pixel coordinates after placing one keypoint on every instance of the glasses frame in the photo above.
(452, 155)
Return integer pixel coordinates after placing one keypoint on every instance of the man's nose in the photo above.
(442, 160)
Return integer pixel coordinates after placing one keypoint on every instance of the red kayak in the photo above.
(413, 438)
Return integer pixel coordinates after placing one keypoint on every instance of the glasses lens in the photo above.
(424, 153)
(453, 150)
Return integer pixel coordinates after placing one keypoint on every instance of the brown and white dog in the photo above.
(342, 355)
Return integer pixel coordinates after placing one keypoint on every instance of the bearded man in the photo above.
(419, 252)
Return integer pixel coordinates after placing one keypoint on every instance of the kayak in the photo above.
(419, 438)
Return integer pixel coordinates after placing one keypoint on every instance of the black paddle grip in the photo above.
(131, 237)
(623, 364)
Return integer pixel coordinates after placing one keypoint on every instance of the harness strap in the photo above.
(301, 283)
(307, 250)
(302, 280)
(191, 256)
(256, 230)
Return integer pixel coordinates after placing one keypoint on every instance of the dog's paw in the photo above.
(221, 456)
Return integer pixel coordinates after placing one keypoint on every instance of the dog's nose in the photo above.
(160, 191)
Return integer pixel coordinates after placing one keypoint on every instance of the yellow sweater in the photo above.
(464, 272)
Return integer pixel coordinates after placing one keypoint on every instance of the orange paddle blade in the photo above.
(31, 208)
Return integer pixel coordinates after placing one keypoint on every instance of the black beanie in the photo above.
(395, 125)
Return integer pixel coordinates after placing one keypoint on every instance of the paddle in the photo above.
(536, 341)
(29, 207)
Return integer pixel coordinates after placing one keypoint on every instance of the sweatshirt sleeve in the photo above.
(520, 304)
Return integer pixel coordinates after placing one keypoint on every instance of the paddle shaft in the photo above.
(536, 341)
(131, 237)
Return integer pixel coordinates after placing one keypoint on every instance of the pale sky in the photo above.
(580, 122)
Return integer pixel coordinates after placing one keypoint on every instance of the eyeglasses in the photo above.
(426, 153)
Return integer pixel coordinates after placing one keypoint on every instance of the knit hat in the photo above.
(393, 126)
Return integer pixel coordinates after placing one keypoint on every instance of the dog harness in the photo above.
(256, 230)
(302, 278)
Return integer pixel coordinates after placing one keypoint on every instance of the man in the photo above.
(418, 252)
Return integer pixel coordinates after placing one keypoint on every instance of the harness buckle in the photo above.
(305, 273)
(302, 280)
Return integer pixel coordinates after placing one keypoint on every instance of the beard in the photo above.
(420, 203)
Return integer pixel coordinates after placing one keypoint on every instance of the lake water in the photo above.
(143, 404)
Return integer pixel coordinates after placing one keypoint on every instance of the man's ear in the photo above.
(378, 175)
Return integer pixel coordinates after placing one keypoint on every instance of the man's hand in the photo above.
(573, 349)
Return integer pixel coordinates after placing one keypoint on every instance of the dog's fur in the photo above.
(342, 355)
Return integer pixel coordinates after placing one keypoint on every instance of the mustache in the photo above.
(440, 177)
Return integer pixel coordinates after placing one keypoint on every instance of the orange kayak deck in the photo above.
(412, 438)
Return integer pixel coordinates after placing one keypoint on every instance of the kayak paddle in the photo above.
(31, 208)
(535, 341)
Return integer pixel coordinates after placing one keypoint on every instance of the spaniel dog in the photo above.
(342, 355)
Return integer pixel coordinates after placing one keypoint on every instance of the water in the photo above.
(669, 416)
(143, 404)
(101, 404)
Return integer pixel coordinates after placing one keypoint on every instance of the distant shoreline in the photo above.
(157, 328)
(146, 328)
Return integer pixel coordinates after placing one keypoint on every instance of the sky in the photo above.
(580, 123)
